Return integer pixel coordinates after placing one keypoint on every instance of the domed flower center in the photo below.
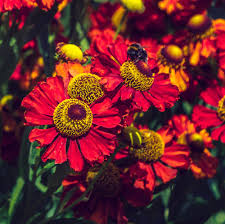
(173, 53)
(85, 86)
(199, 23)
(196, 143)
(69, 52)
(134, 5)
(221, 109)
(72, 118)
(152, 147)
(108, 184)
(136, 75)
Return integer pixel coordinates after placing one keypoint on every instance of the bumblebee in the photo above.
(137, 53)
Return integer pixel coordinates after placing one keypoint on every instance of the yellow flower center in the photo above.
(152, 147)
(196, 143)
(72, 118)
(134, 5)
(108, 184)
(171, 56)
(221, 109)
(200, 26)
(69, 52)
(85, 86)
(136, 76)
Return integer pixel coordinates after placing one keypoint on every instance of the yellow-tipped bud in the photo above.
(5, 99)
(69, 52)
(134, 5)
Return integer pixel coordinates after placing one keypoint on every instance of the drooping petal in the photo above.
(162, 93)
(164, 172)
(176, 156)
(90, 148)
(56, 151)
(105, 115)
(141, 101)
(219, 133)
(43, 136)
(205, 117)
(75, 158)
(211, 96)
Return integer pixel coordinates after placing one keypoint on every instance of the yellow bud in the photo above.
(5, 99)
(134, 5)
(69, 52)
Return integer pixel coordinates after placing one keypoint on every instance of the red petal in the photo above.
(111, 82)
(162, 94)
(89, 148)
(176, 156)
(43, 136)
(105, 115)
(164, 172)
(219, 133)
(75, 158)
(150, 178)
(56, 151)
(33, 118)
(205, 117)
(57, 86)
(126, 93)
(105, 145)
(212, 96)
(141, 101)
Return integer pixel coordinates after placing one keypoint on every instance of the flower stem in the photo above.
(120, 25)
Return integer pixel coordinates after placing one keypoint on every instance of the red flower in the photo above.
(203, 164)
(133, 80)
(88, 129)
(8, 5)
(157, 156)
(107, 195)
(212, 118)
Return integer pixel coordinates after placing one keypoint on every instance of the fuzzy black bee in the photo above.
(137, 53)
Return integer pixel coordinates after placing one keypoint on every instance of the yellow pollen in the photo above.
(221, 109)
(72, 118)
(134, 5)
(85, 86)
(69, 52)
(108, 184)
(134, 78)
(152, 147)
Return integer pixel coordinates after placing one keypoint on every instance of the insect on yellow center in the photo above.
(72, 118)
(200, 26)
(108, 184)
(135, 77)
(221, 109)
(152, 147)
(85, 86)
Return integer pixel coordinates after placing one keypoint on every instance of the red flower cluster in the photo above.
(91, 107)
